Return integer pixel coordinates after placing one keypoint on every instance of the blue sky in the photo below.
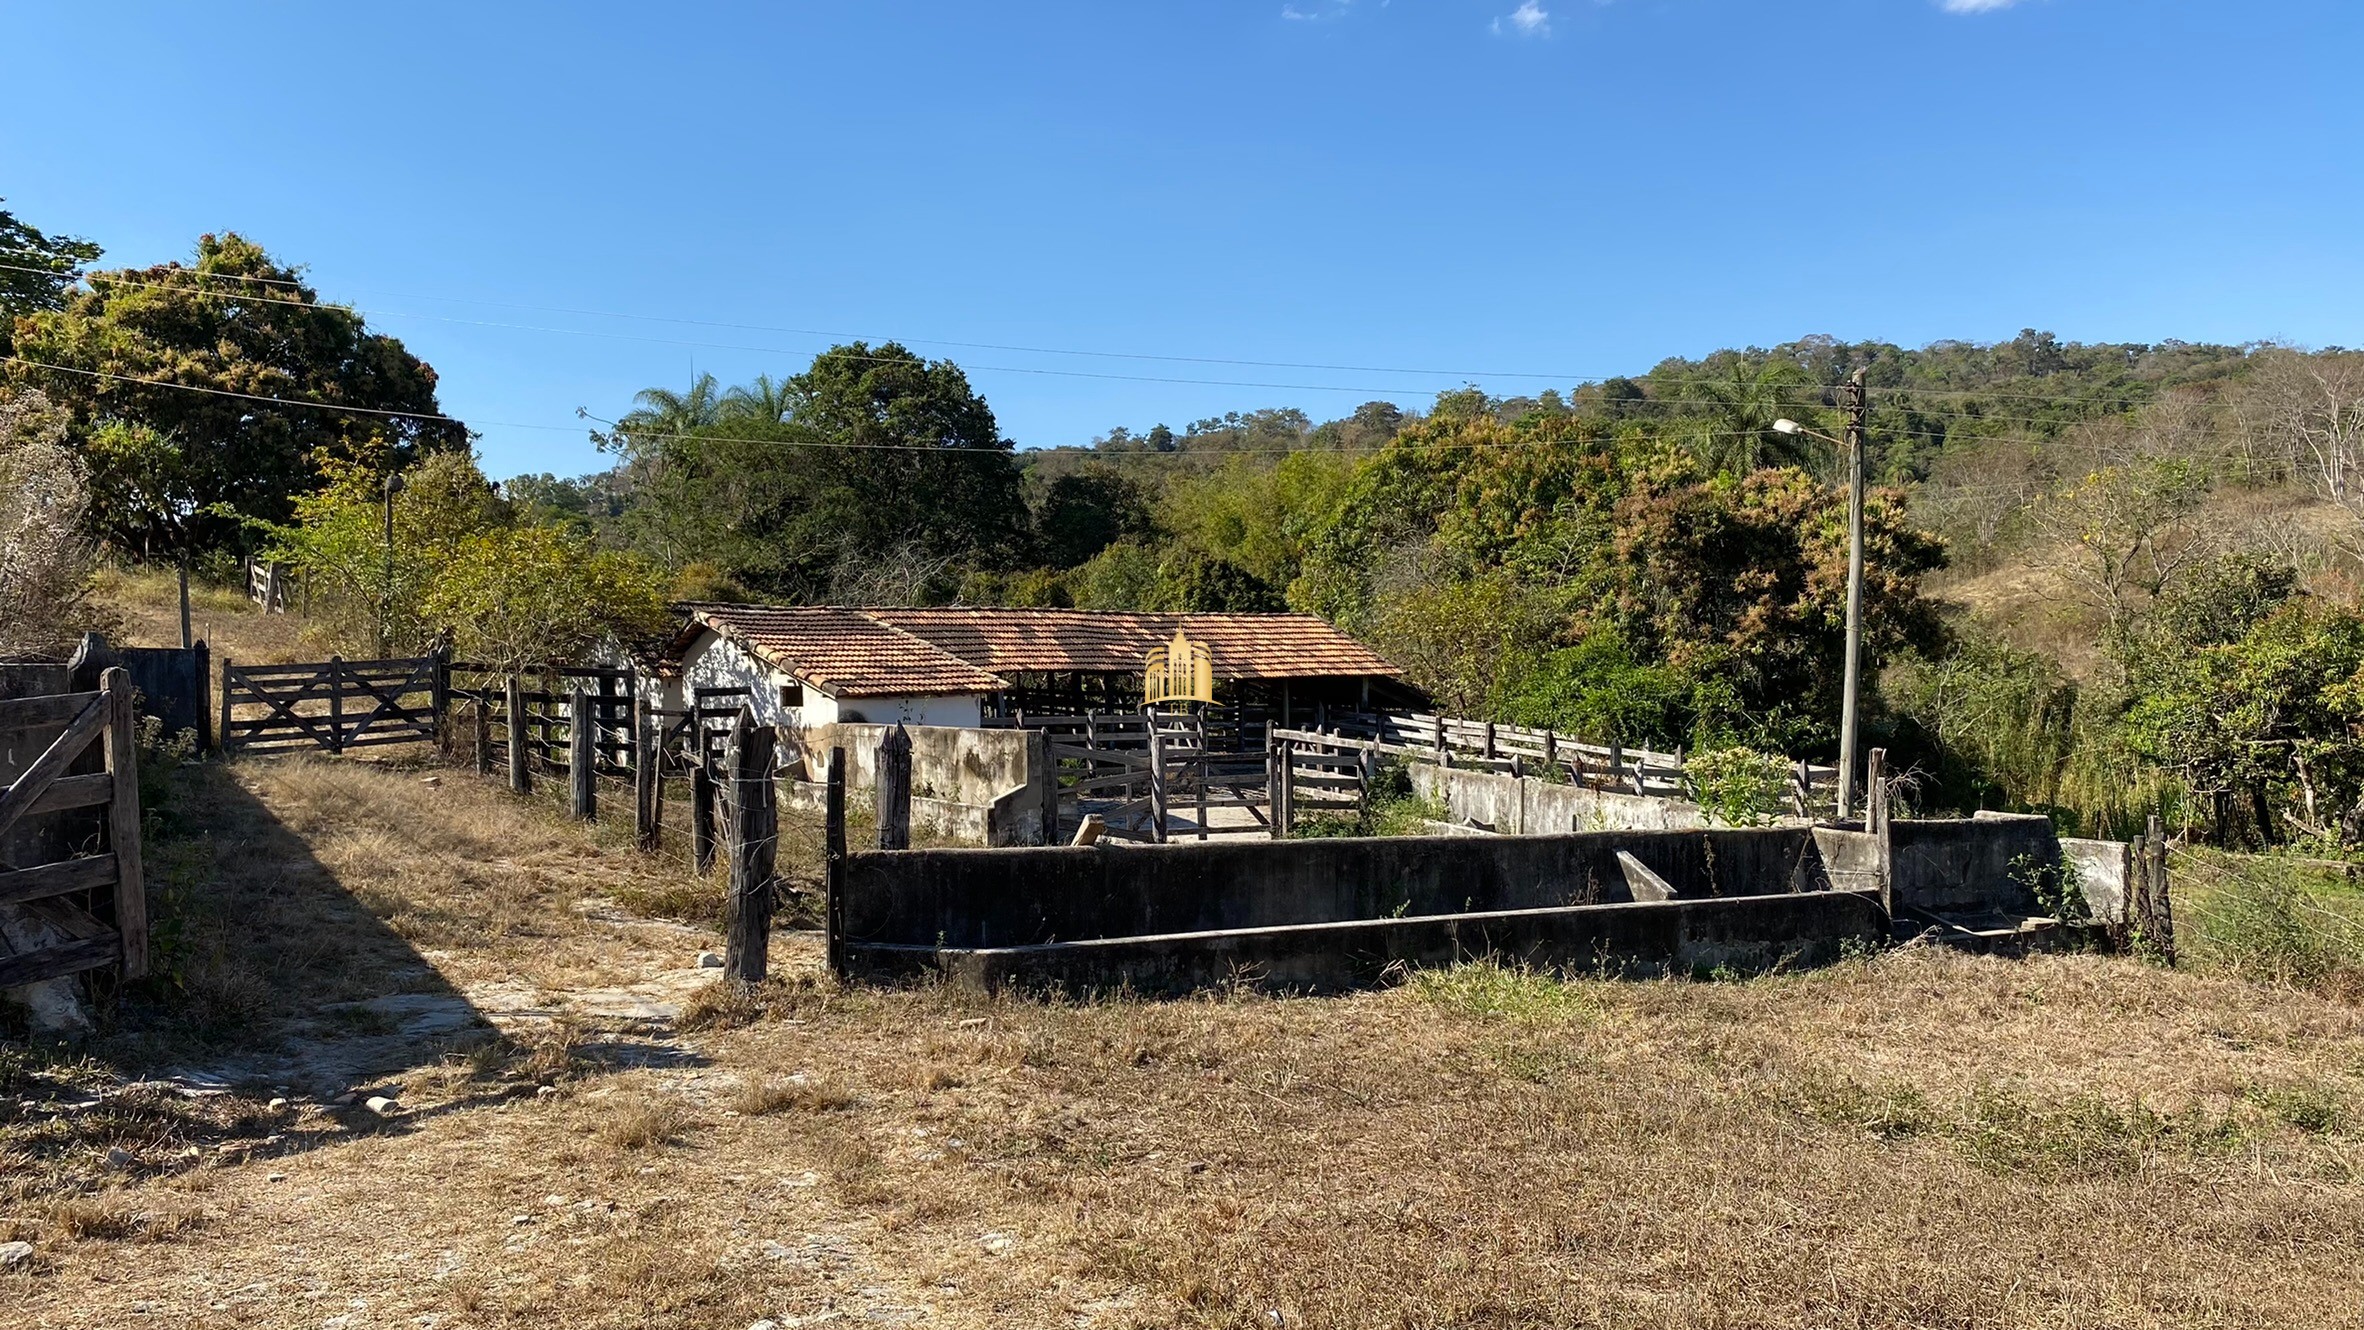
(1448, 190)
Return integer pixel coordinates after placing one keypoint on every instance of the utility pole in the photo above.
(386, 603)
(1852, 400)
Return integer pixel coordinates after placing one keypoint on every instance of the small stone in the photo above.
(707, 960)
(14, 1254)
(276, 1104)
(999, 1244)
(431, 780)
(382, 1106)
(544, 1091)
(118, 1157)
(767, 1323)
(276, 1177)
(521, 1220)
(554, 1200)
(972, 1023)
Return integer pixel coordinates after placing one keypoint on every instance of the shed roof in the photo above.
(842, 652)
(1245, 646)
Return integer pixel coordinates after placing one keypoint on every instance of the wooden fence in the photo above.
(1519, 750)
(71, 890)
(335, 705)
(1137, 771)
(267, 585)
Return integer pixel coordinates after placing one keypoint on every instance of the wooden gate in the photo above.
(42, 739)
(335, 705)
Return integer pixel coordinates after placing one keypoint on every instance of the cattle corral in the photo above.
(801, 1147)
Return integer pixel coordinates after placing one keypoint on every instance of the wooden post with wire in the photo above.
(648, 780)
(521, 753)
(754, 847)
(833, 864)
(582, 755)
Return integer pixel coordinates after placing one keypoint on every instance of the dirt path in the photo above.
(538, 1162)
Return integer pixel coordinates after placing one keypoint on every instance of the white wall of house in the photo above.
(714, 661)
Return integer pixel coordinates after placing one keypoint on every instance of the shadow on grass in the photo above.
(280, 1002)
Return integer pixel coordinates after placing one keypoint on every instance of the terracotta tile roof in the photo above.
(842, 652)
(1245, 646)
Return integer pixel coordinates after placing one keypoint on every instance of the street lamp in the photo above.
(1851, 396)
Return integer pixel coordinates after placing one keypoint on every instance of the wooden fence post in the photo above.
(203, 669)
(2162, 910)
(755, 839)
(1042, 772)
(336, 699)
(1157, 785)
(483, 720)
(221, 734)
(833, 864)
(123, 822)
(1272, 785)
(1284, 818)
(894, 790)
(1490, 750)
(648, 781)
(1616, 761)
(521, 771)
(582, 755)
(702, 810)
(440, 699)
(1551, 753)
(1875, 790)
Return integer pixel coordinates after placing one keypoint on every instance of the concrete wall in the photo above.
(1964, 865)
(1527, 805)
(2105, 873)
(1742, 932)
(1007, 898)
(969, 785)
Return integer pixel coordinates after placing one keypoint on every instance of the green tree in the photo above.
(36, 271)
(512, 596)
(199, 465)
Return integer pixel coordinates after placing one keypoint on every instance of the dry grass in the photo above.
(146, 602)
(1918, 1139)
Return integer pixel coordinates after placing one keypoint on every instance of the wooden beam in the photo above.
(755, 839)
(123, 823)
(90, 873)
(581, 755)
(44, 771)
(894, 790)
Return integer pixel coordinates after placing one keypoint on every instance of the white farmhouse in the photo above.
(809, 665)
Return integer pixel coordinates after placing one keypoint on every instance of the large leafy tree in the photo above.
(36, 271)
(872, 462)
(160, 370)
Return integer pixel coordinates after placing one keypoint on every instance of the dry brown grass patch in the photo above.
(639, 1122)
(790, 1094)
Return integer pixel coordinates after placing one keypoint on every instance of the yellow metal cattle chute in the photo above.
(1179, 671)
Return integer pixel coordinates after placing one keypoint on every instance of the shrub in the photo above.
(1739, 787)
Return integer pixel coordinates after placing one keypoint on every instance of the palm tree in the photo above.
(767, 401)
(662, 412)
(1736, 434)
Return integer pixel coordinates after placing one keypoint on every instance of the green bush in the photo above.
(1739, 787)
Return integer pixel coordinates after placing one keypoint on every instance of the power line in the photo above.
(124, 277)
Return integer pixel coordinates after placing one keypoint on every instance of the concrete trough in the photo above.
(1743, 933)
(994, 899)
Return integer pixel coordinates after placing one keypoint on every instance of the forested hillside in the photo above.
(2104, 580)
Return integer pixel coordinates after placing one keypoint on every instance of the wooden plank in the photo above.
(123, 824)
(90, 873)
(521, 769)
(56, 962)
(32, 713)
(44, 772)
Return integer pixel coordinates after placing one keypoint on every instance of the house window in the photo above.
(792, 695)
